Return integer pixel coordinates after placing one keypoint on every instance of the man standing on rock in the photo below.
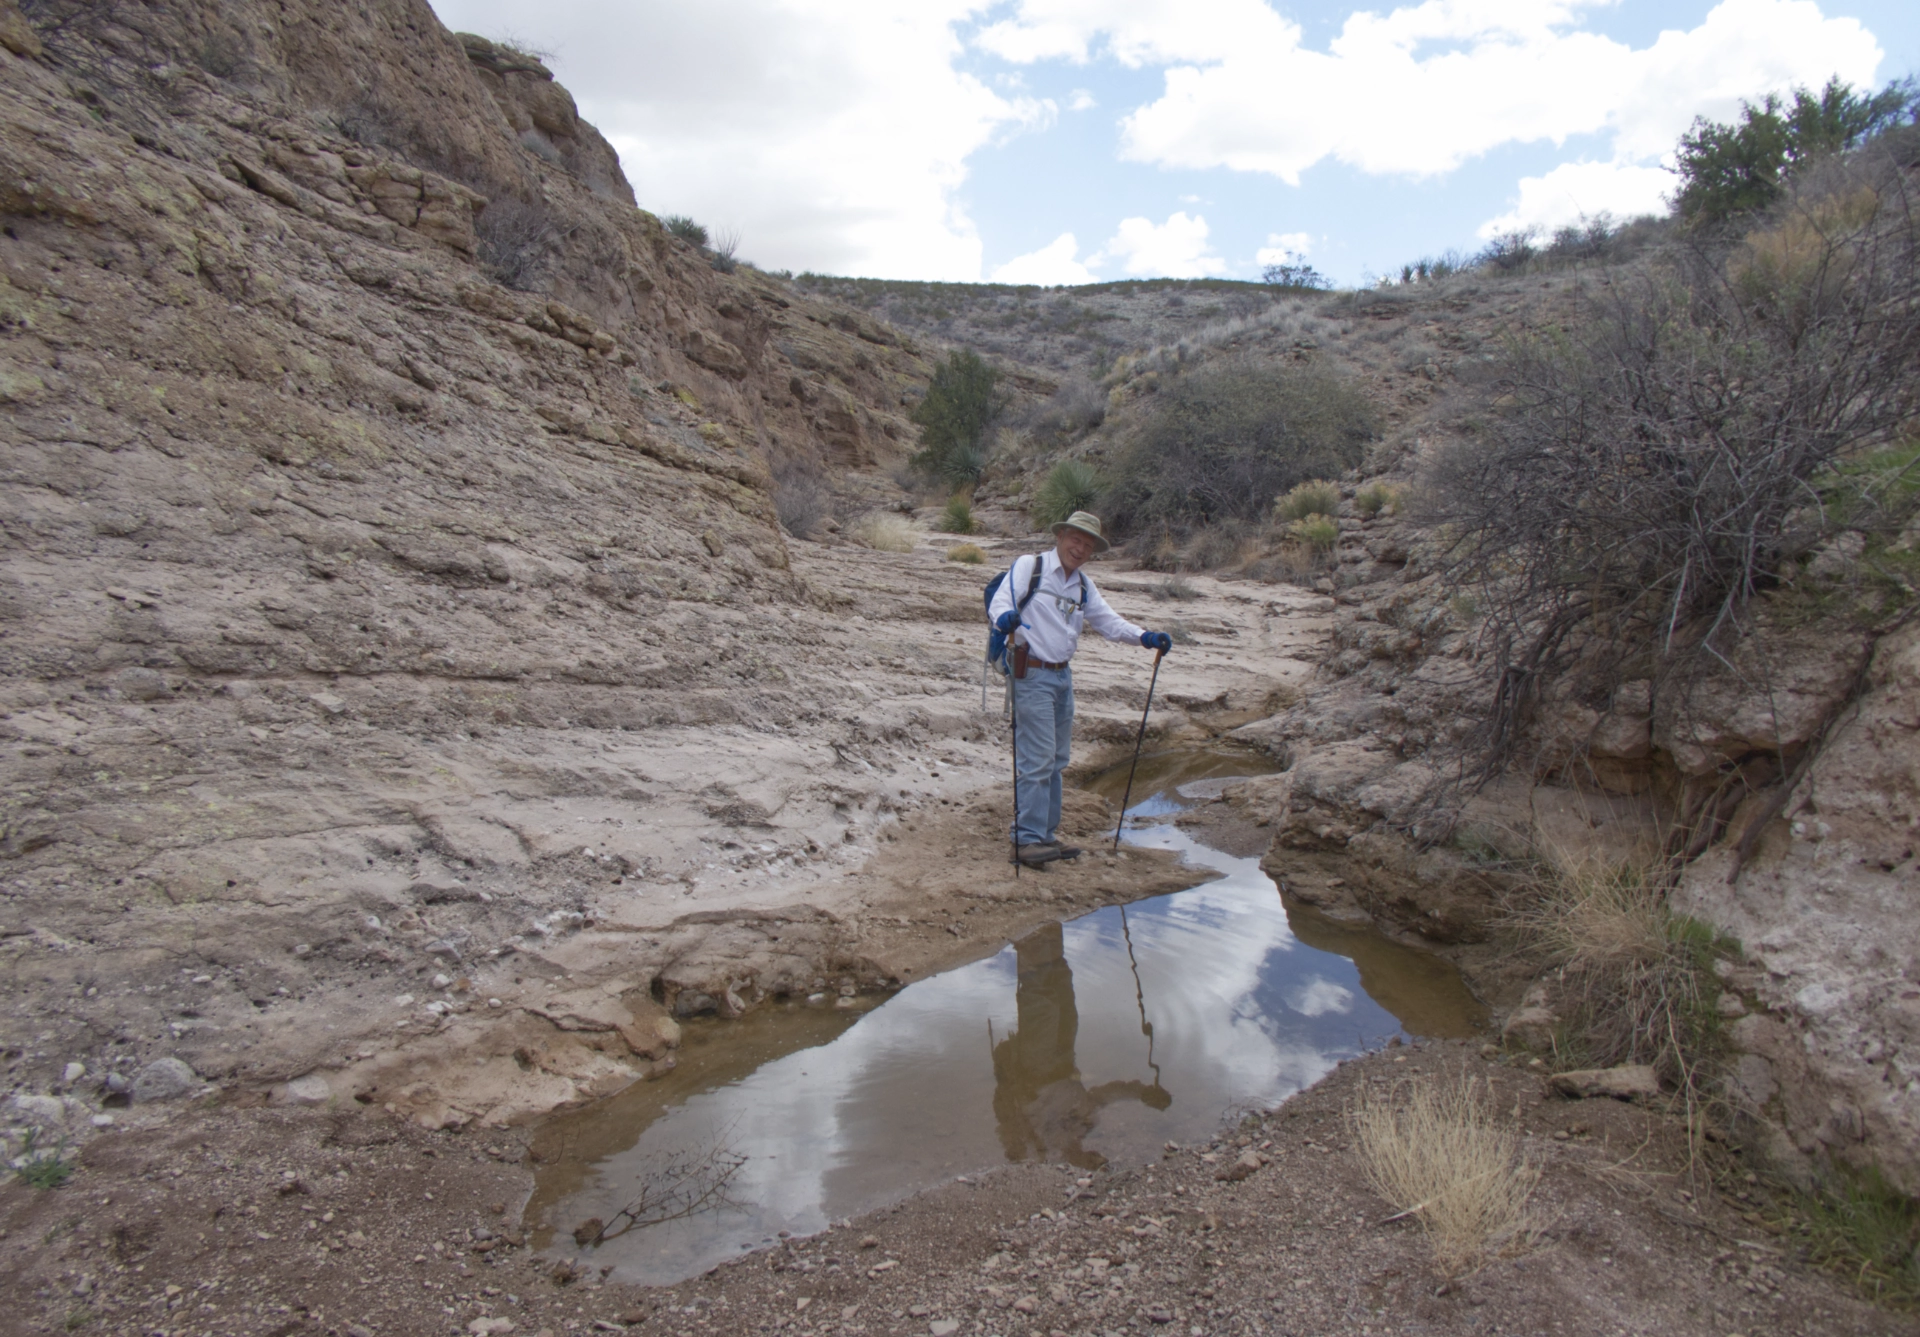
(1043, 631)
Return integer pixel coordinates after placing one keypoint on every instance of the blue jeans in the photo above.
(1043, 736)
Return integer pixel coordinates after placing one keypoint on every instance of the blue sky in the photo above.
(1077, 140)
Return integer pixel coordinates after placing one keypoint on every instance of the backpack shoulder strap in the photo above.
(1033, 584)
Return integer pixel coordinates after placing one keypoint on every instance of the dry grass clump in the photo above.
(970, 553)
(1431, 1148)
(1637, 977)
(1595, 916)
(883, 532)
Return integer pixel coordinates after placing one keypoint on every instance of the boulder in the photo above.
(1622, 1083)
(1531, 1027)
(1248, 1163)
(309, 1090)
(164, 1079)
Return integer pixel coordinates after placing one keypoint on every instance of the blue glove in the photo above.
(1008, 620)
(1156, 640)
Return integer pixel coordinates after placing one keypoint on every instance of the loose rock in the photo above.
(1622, 1083)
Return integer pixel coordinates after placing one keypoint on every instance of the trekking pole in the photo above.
(1013, 719)
(1158, 655)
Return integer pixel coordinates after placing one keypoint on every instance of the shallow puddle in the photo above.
(1093, 1041)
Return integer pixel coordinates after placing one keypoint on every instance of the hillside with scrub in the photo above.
(473, 648)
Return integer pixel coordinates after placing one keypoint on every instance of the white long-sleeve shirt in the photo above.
(1056, 613)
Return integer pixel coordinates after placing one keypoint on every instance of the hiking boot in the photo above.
(1044, 852)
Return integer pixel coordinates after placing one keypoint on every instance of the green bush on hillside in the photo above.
(962, 403)
(1740, 168)
(1318, 532)
(685, 228)
(1224, 441)
(1316, 496)
(1071, 485)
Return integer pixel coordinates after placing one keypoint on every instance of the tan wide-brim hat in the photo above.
(1087, 523)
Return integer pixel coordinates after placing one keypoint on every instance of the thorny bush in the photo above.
(1224, 442)
(1642, 473)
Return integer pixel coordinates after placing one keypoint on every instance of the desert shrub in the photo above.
(1175, 588)
(1434, 1149)
(970, 553)
(685, 228)
(1295, 273)
(515, 238)
(1641, 475)
(883, 532)
(1223, 441)
(1071, 485)
(801, 497)
(957, 518)
(1076, 407)
(1738, 168)
(1211, 547)
(1429, 268)
(37, 1167)
(726, 246)
(962, 403)
(1317, 532)
(1377, 497)
(1316, 496)
(1508, 252)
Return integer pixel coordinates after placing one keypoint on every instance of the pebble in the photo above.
(1159, 1315)
(73, 1072)
(918, 1311)
(944, 1327)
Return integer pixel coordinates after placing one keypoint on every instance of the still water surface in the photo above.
(1083, 1043)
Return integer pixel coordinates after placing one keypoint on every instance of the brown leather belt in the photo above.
(1041, 663)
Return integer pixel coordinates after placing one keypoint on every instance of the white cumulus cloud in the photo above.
(1175, 249)
(1283, 248)
(1055, 263)
(834, 136)
(1081, 100)
(1421, 89)
(1583, 190)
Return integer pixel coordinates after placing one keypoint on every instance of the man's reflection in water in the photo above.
(1043, 1109)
